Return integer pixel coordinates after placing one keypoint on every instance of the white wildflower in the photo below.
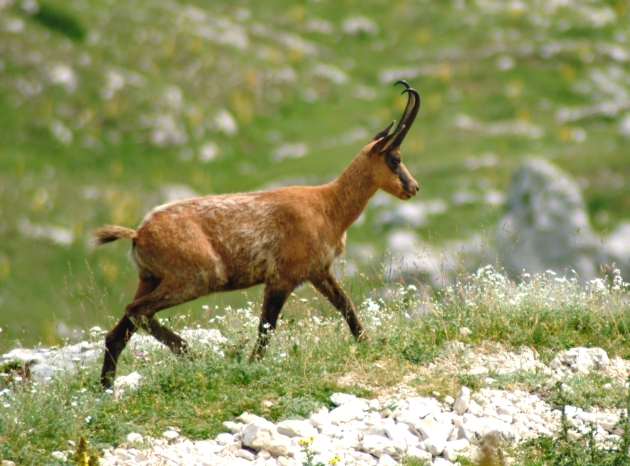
(61, 132)
(208, 152)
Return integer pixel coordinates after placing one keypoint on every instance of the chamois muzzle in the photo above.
(413, 105)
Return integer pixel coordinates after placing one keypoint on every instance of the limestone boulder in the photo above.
(546, 226)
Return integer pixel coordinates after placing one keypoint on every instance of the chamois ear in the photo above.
(384, 132)
(383, 144)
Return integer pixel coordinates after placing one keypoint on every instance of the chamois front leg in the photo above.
(327, 285)
(274, 299)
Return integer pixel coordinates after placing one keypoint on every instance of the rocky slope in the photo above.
(395, 425)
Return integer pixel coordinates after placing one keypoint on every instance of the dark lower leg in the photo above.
(167, 293)
(272, 305)
(328, 286)
(117, 338)
(169, 338)
(115, 342)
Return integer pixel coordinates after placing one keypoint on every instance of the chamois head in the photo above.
(390, 173)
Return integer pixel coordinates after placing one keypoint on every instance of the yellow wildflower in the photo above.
(306, 441)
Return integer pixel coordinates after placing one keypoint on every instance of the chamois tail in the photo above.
(110, 233)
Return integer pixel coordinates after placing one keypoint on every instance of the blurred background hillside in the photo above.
(109, 108)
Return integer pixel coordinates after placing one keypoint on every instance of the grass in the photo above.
(312, 356)
(105, 104)
(573, 447)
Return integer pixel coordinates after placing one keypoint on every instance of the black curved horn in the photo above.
(409, 115)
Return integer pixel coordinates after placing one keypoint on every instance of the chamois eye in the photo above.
(395, 162)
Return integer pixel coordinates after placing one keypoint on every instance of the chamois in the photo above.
(282, 237)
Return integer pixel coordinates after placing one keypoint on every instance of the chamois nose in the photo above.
(412, 188)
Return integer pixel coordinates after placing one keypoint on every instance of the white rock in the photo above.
(340, 399)
(475, 430)
(347, 412)
(303, 429)
(609, 422)
(286, 461)
(225, 439)
(208, 447)
(376, 430)
(374, 404)
(331, 431)
(422, 407)
(372, 418)
(234, 427)
(417, 453)
(507, 410)
(379, 446)
(462, 401)
(547, 213)
(245, 454)
(262, 435)
(446, 417)
(431, 429)
(60, 455)
(435, 445)
(134, 437)
(441, 462)
(401, 433)
(571, 411)
(247, 418)
(617, 247)
(320, 418)
(475, 408)
(456, 448)
(582, 360)
(170, 435)
(407, 417)
(386, 412)
(126, 383)
(586, 417)
(386, 460)
(124, 455)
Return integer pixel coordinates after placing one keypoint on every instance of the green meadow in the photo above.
(109, 108)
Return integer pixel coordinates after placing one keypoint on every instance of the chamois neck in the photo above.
(350, 193)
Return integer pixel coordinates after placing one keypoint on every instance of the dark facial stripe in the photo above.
(390, 160)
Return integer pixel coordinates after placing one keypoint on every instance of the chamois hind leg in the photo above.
(141, 312)
(167, 337)
(117, 338)
(169, 293)
(328, 286)
(274, 299)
